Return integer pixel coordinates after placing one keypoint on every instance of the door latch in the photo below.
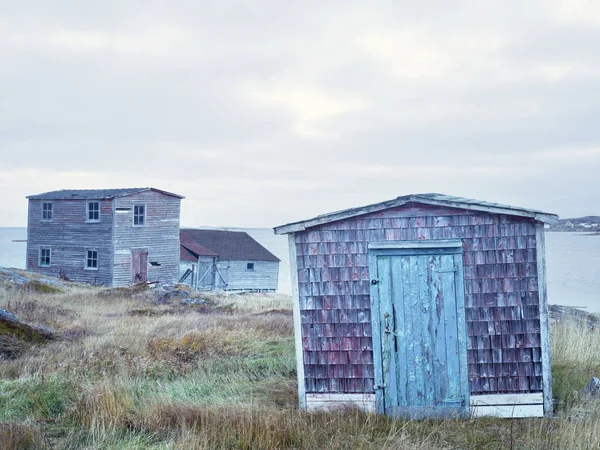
(374, 281)
(386, 316)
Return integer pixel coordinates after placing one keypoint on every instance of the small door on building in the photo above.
(206, 275)
(222, 277)
(419, 336)
(139, 265)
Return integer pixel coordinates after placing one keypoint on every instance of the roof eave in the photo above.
(149, 189)
(346, 214)
(354, 212)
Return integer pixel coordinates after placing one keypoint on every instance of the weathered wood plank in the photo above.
(297, 323)
(507, 399)
(543, 312)
(507, 411)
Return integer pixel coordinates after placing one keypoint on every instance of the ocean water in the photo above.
(572, 260)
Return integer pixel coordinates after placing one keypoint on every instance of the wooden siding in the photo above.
(160, 235)
(264, 277)
(69, 236)
(206, 263)
(500, 285)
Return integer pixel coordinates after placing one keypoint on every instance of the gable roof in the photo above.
(100, 194)
(229, 245)
(427, 199)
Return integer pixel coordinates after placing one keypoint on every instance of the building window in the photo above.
(250, 266)
(46, 210)
(45, 258)
(93, 212)
(139, 215)
(91, 259)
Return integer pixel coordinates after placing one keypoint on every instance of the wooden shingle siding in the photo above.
(160, 235)
(69, 235)
(500, 284)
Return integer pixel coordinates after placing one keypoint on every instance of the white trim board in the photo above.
(508, 405)
(297, 321)
(435, 244)
(331, 402)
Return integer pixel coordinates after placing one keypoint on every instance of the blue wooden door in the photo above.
(419, 326)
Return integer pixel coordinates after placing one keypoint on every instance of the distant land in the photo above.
(585, 223)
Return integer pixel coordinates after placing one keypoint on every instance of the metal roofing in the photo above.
(74, 194)
(428, 199)
(230, 245)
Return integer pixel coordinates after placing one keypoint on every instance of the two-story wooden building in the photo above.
(113, 237)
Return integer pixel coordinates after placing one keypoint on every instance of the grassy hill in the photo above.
(128, 369)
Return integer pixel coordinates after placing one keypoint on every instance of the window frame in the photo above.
(145, 216)
(87, 211)
(40, 250)
(88, 259)
(51, 211)
(250, 267)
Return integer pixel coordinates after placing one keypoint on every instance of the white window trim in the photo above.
(85, 262)
(42, 211)
(40, 256)
(145, 214)
(87, 211)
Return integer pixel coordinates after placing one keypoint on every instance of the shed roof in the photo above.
(230, 245)
(427, 199)
(191, 251)
(74, 194)
(192, 254)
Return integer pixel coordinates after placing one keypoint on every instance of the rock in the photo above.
(193, 301)
(592, 389)
(561, 313)
(15, 335)
(12, 277)
(8, 316)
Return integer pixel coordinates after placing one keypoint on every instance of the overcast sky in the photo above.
(269, 111)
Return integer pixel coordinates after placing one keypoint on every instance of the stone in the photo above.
(592, 388)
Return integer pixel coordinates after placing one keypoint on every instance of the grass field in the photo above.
(130, 373)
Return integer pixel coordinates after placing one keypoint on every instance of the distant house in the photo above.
(228, 260)
(569, 224)
(113, 237)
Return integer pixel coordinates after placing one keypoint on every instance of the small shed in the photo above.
(425, 305)
(227, 260)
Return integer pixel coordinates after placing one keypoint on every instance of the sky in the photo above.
(266, 112)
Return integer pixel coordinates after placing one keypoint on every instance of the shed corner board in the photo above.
(544, 320)
(297, 322)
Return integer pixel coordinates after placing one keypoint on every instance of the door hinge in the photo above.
(374, 281)
(379, 386)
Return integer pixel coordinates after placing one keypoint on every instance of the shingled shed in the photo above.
(425, 305)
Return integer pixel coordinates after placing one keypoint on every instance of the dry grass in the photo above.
(20, 436)
(130, 372)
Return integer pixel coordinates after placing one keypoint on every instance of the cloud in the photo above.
(265, 113)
